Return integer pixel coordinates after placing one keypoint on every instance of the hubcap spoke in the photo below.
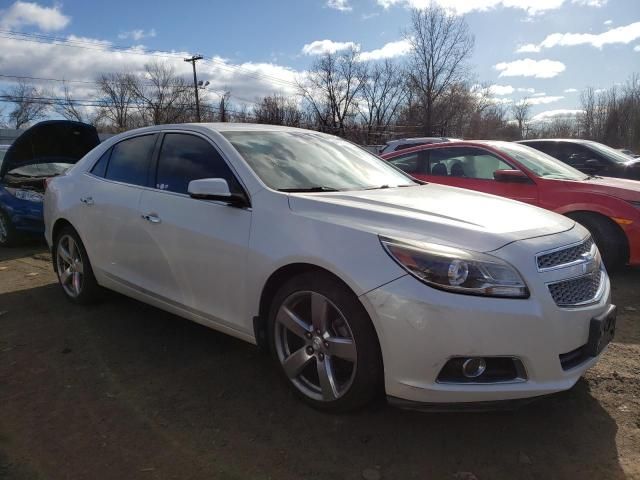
(65, 276)
(64, 253)
(342, 348)
(292, 322)
(76, 282)
(327, 380)
(319, 312)
(78, 266)
(295, 363)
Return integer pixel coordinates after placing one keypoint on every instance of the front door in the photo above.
(196, 250)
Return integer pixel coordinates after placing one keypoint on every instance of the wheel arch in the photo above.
(58, 225)
(274, 282)
(622, 236)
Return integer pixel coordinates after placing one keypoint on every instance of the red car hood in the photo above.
(615, 187)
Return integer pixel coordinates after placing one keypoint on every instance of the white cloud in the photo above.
(591, 3)
(342, 5)
(246, 81)
(636, 48)
(570, 90)
(608, 22)
(530, 68)
(22, 14)
(539, 94)
(526, 90)
(528, 48)
(544, 100)
(388, 50)
(550, 115)
(460, 7)
(625, 34)
(320, 47)
(137, 34)
(501, 90)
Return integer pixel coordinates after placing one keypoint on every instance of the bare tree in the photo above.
(117, 99)
(441, 46)
(29, 102)
(331, 89)
(382, 94)
(521, 110)
(278, 110)
(224, 107)
(68, 107)
(164, 96)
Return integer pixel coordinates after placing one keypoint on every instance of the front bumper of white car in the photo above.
(530, 347)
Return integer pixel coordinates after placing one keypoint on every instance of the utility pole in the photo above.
(193, 60)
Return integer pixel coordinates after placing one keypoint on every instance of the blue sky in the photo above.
(542, 49)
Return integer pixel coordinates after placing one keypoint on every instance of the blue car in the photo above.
(43, 151)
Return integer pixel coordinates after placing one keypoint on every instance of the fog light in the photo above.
(474, 367)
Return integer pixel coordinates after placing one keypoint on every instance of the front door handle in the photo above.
(87, 200)
(151, 217)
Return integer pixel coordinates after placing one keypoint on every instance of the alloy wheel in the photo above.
(315, 346)
(70, 266)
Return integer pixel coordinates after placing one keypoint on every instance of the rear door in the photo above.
(473, 168)
(195, 250)
(110, 220)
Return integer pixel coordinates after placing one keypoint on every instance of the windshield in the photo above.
(539, 163)
(610, 153)
(41, 170)
(298, 160)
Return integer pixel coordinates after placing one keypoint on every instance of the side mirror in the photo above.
(511, 176)
(216, 189)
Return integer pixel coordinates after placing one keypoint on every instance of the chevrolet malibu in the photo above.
(357, 278)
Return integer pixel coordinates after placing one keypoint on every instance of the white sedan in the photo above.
(357, 278)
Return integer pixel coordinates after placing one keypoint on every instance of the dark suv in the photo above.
(592, 158)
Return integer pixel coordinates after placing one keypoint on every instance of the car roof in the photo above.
(572, 140)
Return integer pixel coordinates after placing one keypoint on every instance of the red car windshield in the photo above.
(539, 163)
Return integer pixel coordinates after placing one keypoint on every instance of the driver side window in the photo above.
(466, 162)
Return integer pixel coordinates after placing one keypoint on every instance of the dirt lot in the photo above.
(122, 390)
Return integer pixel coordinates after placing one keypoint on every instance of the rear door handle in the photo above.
(87, 200)
(151, 217)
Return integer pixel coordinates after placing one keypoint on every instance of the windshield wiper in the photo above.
(308, 189)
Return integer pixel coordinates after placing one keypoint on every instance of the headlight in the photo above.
(457, 270)
(28, 195)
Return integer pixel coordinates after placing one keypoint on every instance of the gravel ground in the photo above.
(121, 390)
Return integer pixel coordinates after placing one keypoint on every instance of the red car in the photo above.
(608, 207)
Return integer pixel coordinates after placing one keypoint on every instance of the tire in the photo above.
(333, 364)
(608, 237)
(73, 268)
(9, 237)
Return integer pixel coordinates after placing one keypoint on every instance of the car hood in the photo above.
(433, 213)
(54, 141)
(616, 187)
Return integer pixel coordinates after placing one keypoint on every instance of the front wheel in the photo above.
(324, 343)
(607, 236)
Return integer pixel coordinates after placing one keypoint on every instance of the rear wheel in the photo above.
(73, 268)
(324, 343)
(8, 235)
(608, 237)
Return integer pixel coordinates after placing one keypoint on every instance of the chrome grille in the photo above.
(576, 291)
(564, 256)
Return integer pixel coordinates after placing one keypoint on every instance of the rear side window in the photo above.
(129, 162)
(100, 168)
(186, 157)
